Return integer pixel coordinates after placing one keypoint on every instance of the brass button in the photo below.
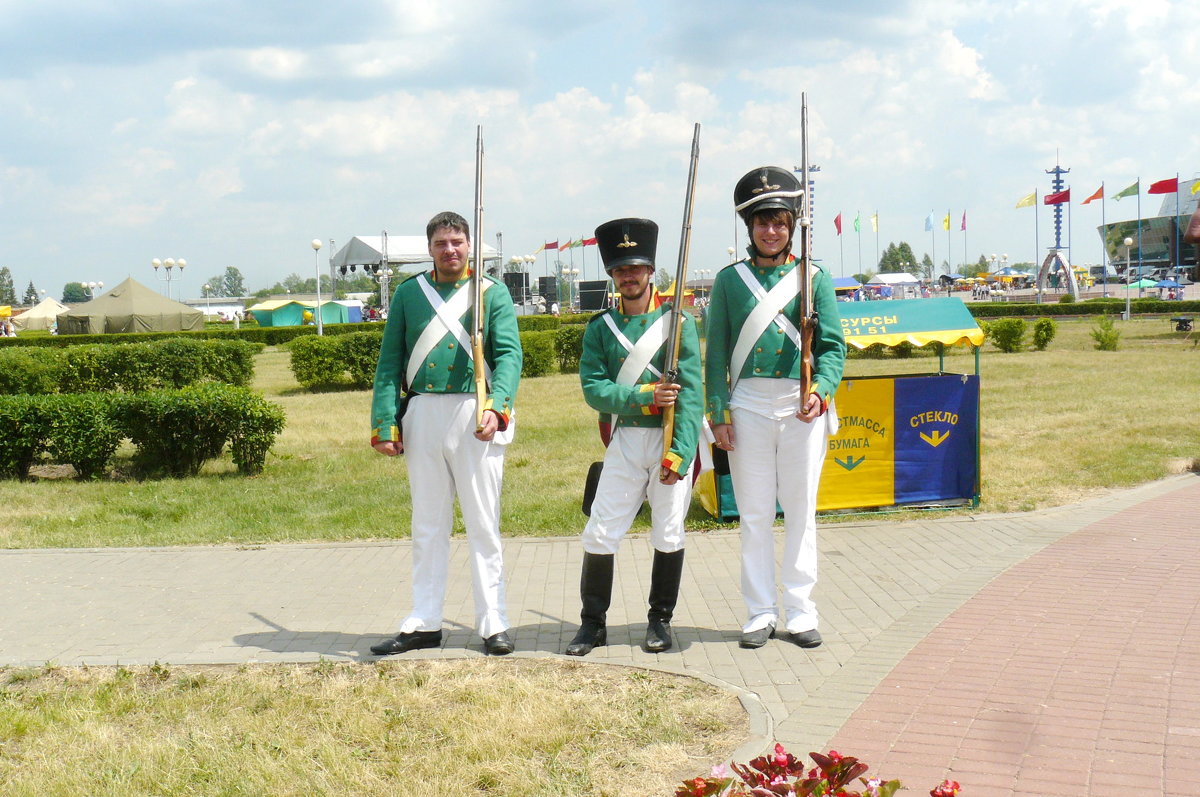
(449, 345)
(758, 350)
(779, 351)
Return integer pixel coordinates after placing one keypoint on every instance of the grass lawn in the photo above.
(1057, 426)
(481, 726)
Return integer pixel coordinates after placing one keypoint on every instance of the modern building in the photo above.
(1162, 251)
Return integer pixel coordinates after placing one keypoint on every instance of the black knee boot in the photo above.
(595, 591)
(664, 592)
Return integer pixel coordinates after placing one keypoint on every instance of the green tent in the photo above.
(129, 307)
(292, 313)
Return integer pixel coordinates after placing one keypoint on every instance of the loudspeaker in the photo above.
(517, 283)
(593, 295)
(548, 288)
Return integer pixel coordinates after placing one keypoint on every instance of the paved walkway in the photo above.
(1055, 652)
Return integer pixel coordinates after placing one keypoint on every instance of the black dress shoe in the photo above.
(589, 636)
(756, 639)
(498, 644)
(402, 643)
(658, 636)
(806, 639)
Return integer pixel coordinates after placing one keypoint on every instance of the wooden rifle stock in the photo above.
(671, 361)
(808, 314)
(477, 287)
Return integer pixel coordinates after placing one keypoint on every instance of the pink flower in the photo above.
(721, 771)
(948, 788)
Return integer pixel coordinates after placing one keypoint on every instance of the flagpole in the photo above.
(949, 247)
(858, 234)
(1103, 242)
(1037, 246)
(875, 224)
(841, 255)
(1177, 266)
(933, 242)
(1070, 252)
(964, 232)
(1139, 211)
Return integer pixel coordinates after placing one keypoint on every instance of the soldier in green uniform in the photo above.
(621, 373)
(426, 371)
(775, 437)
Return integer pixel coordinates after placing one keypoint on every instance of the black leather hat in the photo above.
(765, 188)
(627, 242)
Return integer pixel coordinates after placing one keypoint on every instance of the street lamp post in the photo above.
(316, 245)
(92, 286)
(1128, 243)
(170, 264)
(207, 303)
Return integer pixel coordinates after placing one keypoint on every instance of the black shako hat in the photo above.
(766, 187)
(627, 242)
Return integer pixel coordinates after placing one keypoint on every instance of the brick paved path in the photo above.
(1042, 653)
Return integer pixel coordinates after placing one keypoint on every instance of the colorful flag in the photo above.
(540, 248)
(1196, 186)
(1098, 195)
(964, 222)
(837, 223)
(1027, 201)
(946, 222)
(551, 245)
(875, 218)
(589, 241)
(857, 219)
(567, 245)
(577, 243)
(1131, 190)
(929, 223)
(1057, 198)
(1164, 186)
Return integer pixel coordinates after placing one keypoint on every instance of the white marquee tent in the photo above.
(402, 250)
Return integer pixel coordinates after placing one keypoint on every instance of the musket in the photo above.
(808, 312)
(477, 287)
(671, 364)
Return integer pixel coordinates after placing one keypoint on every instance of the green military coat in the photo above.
(449, 366)
(633, 405)
(774, 355)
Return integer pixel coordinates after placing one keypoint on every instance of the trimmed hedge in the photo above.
(540, 358)
(175, 431)
(132, 368)
(1089, 307)
(349, 360)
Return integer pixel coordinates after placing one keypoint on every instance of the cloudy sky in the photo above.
(232, 133)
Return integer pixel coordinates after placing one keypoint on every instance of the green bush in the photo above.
(1066, 298)
(81, 431)
(537, 323)
(1008, 334)
(131, 368)
(23, 420)
(360, 355)
(568, 347)
(31, 371)
(1044, 330)
(1106, 334)
(177, 431)
(539, 353)
(317, 361)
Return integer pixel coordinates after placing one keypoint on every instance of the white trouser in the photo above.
(445, 459)
(778, 460)
(632, 465)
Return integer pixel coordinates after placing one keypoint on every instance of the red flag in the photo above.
(837, 223)
(589, 241)
(553, 245)
(964, 223)
(1164, 186)
(1057, 198)
(1098, 195)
